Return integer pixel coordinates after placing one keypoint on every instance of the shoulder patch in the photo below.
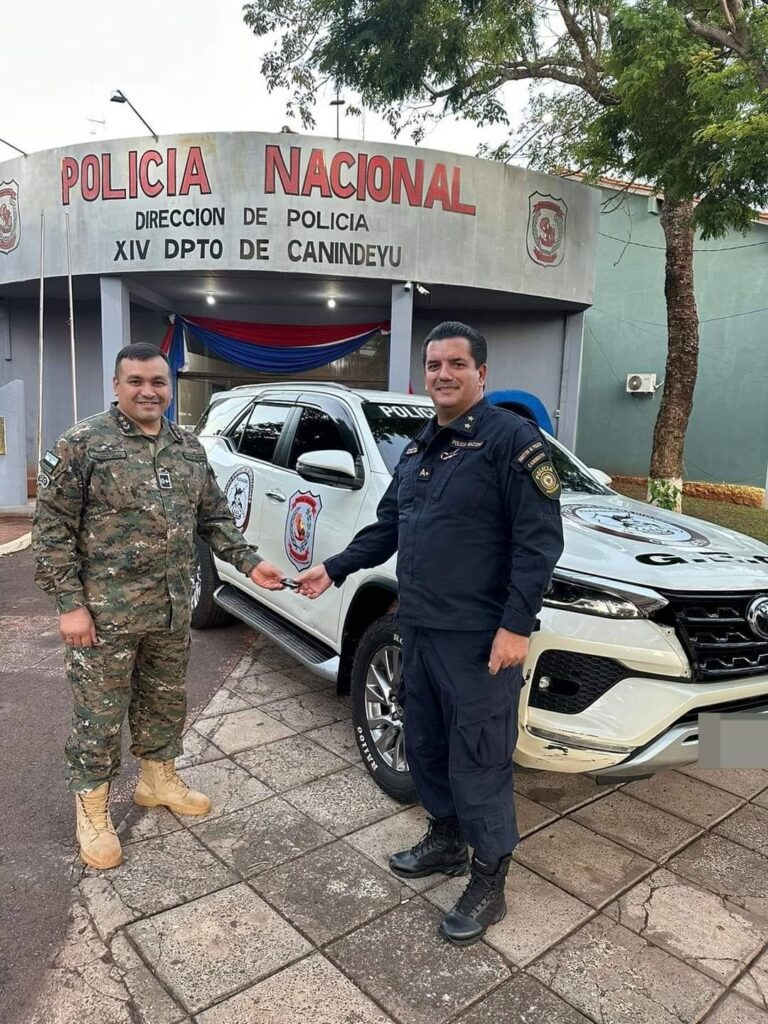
(50, 461)
(528, 451)
(546, 479)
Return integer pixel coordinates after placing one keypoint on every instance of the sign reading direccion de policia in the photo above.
(297, 204)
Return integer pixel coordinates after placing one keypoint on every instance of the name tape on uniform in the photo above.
(528, 450)
(458, 443)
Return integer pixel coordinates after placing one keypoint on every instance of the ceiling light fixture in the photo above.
(331, 303)
(210, 299)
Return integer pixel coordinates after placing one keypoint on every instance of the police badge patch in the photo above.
(546, 479)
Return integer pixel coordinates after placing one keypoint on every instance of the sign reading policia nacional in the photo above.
(300, 204)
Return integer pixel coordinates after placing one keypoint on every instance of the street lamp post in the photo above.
(118, 96)
(11, 146)
(338, 103)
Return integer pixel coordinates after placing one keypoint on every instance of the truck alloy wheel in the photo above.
(197, 586)
(377, 715)
(206, 614)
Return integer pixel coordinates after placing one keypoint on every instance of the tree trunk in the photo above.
(665, 480)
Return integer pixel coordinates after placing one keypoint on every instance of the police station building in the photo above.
(284, 256)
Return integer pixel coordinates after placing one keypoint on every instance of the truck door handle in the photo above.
(275, 495)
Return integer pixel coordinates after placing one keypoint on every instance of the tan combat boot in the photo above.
(160, 785)
(99, 845)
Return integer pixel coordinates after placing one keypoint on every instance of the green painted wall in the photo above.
(625, 332)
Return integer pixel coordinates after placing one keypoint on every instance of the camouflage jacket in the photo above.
(115, 521)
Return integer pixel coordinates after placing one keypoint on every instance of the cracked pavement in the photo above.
(645, 903)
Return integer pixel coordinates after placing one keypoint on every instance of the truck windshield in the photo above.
(393, 426)
(572, 477)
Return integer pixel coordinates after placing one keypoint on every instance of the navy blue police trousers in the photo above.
(460, 731)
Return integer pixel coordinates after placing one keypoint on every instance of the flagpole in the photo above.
(71, 324)
(41, 342)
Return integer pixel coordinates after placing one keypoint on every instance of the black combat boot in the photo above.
(441, 850)
(481, 905)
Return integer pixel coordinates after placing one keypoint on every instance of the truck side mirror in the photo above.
(331, 466)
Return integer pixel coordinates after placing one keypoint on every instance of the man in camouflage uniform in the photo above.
(120, 497)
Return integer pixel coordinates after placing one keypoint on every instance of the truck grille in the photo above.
(714, 631)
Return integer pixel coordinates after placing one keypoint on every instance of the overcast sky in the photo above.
(187, 65)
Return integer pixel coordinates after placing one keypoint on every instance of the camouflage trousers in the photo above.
(143, 674)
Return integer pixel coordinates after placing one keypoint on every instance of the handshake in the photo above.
(311, 583)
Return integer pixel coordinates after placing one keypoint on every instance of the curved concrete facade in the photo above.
(275, 226)
(301, 205)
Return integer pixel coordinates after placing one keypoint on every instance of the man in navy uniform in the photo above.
(473, 514)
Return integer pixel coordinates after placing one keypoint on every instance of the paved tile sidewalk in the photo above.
(640, 904)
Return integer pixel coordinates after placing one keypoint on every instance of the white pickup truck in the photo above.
(651, 618)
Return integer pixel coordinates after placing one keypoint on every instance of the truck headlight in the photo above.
(593, 596)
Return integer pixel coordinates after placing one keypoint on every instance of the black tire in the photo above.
(206, 614)
(375, 677)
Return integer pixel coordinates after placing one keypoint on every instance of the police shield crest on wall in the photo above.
(10, 221)
(545, 237)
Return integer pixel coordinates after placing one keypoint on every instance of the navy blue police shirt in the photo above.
(473, 513)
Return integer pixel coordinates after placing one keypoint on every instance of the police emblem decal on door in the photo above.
(239, 492)
(303, 511)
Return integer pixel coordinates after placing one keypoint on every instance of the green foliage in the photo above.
(689, 120)
(636, 92)
(387, 49)
(665, 494)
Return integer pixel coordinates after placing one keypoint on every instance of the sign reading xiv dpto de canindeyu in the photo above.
(299, 204)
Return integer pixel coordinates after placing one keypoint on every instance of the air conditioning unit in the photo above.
(641, 383)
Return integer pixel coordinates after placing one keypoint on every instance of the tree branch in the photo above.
(738, 42)
(728, 16)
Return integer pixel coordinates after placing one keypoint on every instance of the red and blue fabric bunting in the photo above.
(284, 349)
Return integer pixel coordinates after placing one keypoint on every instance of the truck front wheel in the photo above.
(206, 614)
(377, 715)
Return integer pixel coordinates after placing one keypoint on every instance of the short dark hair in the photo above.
(142, 351)
(478, 346)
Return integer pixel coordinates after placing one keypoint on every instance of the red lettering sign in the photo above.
(343, 191)
(106, 178)
(377, 177)
(316, 176)
(289, 180)
(149, 173)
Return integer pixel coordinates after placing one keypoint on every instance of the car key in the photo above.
(289, 583)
